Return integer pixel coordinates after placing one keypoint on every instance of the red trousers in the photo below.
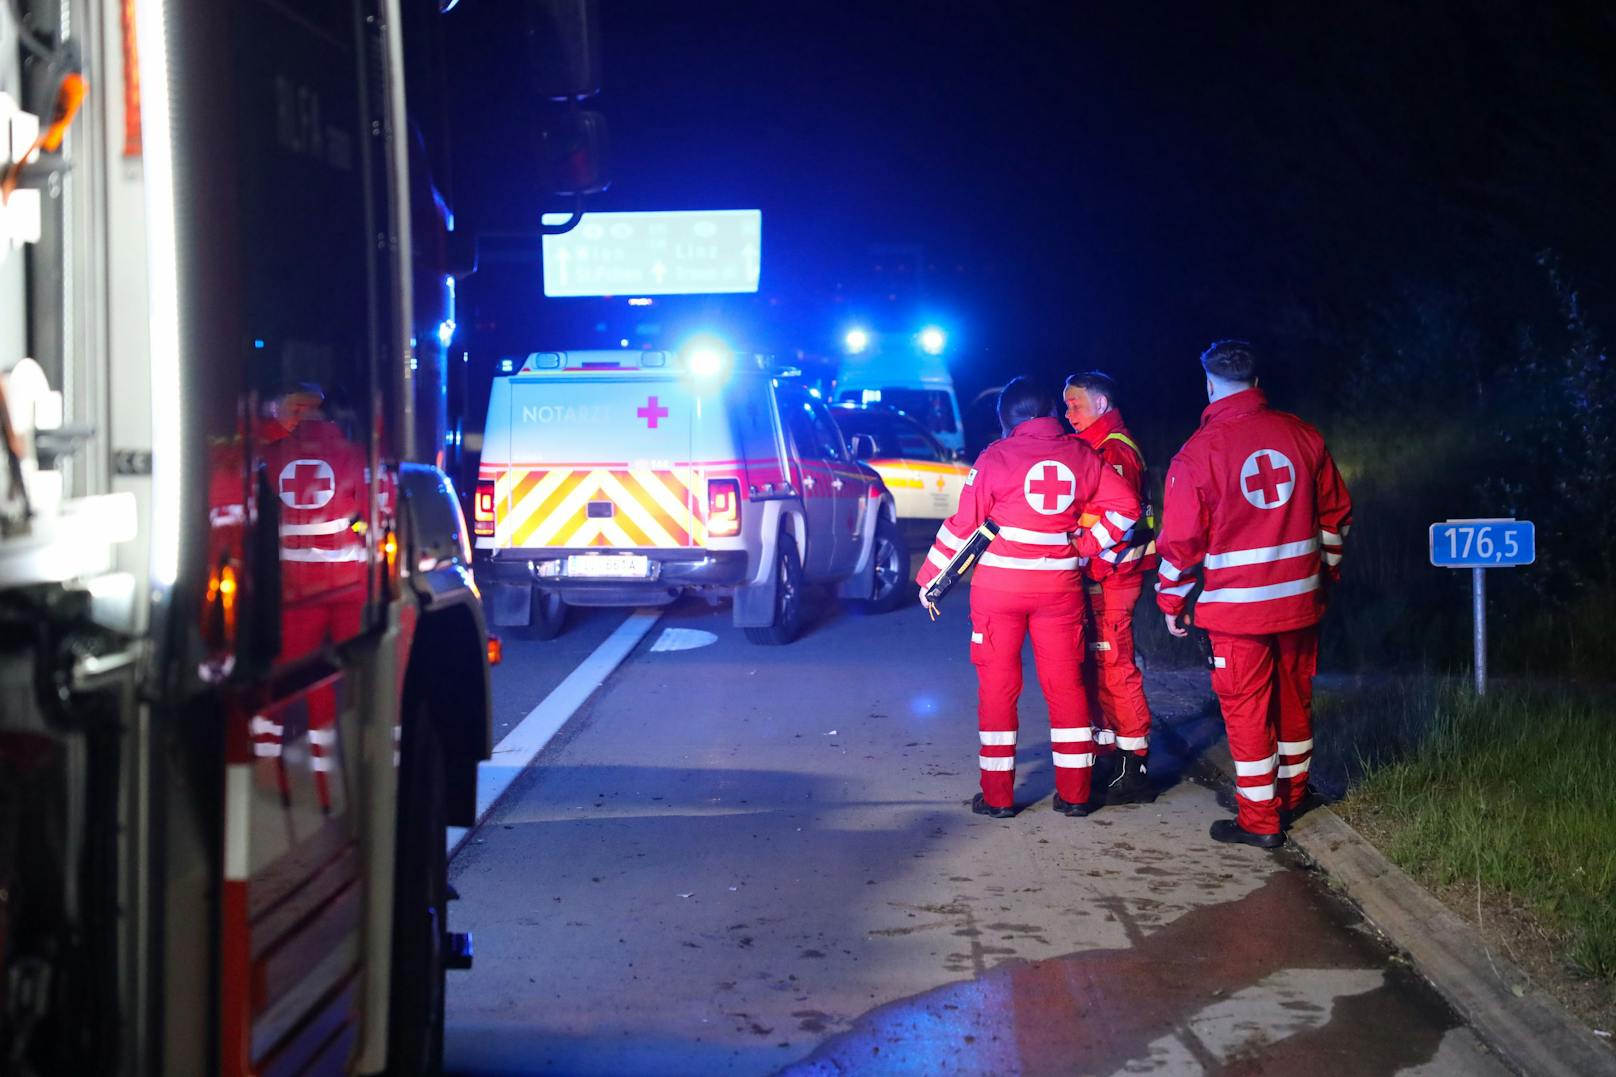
(1110, 675)
(1265, 686)
(1000, 620)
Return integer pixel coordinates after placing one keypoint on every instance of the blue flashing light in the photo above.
(933, 340)
(706, 361)
(856, 341)
(446, 332)
(641, 301)
(258, 344)
(623, 343)
(706, 355)
(507, 366)
(814, 393)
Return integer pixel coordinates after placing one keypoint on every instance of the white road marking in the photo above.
(522, 744)
(683, 639)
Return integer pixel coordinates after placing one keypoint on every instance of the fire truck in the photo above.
(243, 662)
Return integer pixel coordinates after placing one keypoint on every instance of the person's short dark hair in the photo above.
(1021, 400)
(1231, 360)
(1095, 381)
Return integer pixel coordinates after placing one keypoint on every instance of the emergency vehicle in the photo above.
(623, 478)
(925, 477)
(243, 664)
(893, 371)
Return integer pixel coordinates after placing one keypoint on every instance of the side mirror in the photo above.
(863, 447)
(573, 149)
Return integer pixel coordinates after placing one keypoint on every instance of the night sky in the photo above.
(1091, 187)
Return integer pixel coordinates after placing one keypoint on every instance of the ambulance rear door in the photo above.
(600, 458)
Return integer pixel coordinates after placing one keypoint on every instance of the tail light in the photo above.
(876, 490)
(723, 508)
(482, 510)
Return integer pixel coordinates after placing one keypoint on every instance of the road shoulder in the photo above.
(1531, 1031)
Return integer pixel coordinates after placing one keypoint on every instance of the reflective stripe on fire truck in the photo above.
(312, 555)
(549, 507)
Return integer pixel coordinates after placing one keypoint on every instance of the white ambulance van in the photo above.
(623, 478)
(907, 380)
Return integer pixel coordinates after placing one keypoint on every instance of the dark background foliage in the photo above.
(1406, 206)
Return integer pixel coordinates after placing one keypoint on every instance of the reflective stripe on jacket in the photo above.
(1255, 511)
(1135, 554)
(1036, 484)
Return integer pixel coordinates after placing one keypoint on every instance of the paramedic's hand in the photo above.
(1174, 627)
(929, 607)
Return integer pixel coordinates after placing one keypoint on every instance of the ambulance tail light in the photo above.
(876, 490)
(482, 510)
(723, 508)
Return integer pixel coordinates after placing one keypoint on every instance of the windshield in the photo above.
(894, 434)
(933, 408)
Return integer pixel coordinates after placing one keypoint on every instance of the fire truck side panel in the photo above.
(226, 757)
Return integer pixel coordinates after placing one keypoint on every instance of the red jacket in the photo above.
(1255, 506)
(1135, 554)
(321, 478)
(1036, 484)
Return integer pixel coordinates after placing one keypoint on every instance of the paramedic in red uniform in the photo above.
(321, 478)
(1035, 483)
(1114, 581)
(1256, 509)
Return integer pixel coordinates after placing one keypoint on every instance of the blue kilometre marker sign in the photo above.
(1483, 543)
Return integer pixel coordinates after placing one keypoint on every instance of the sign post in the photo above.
(1479, 545)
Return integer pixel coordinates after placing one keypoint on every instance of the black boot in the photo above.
(980, 805)
(1070, 810)
(1132, 782)
(1232, 833)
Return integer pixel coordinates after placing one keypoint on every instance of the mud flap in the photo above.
(754, 602)
(509, 604)
(861, 584)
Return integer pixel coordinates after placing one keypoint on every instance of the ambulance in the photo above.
(907, 377)
(925, 477)
(622, 478)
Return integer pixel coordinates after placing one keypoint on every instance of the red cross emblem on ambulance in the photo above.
(1049, 487)
(307, 484)
(1267, 478)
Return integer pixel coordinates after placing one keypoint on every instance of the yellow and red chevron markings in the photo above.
(653, 507)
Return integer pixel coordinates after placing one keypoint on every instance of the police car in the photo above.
(621, 478)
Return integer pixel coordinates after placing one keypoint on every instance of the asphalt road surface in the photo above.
(746, 860)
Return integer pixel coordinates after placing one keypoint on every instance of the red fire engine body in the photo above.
(243, 664)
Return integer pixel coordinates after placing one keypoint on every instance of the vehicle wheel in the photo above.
(788, 598)
(547, 618)
(891, 585)
(420, 903)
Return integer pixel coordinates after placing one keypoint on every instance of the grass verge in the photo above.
(1505, 807)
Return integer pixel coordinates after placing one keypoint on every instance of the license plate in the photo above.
(609, 565)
